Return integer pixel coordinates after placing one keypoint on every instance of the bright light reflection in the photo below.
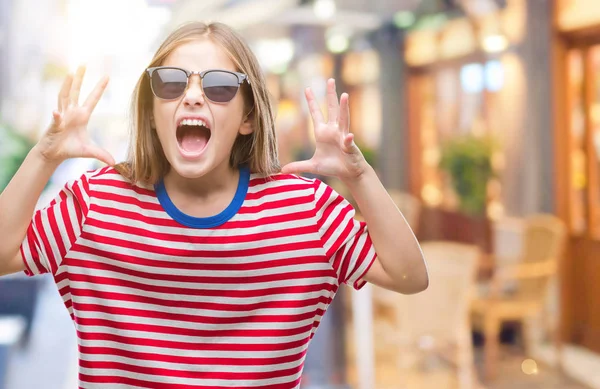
(324, 9)
(98, 29)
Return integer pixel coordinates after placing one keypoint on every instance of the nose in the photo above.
(193, 95)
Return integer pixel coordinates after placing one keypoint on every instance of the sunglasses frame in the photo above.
(240, 76)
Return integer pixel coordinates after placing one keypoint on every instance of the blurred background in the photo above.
(482, 118)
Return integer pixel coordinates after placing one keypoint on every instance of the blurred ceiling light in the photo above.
(275, 54)
(338, 43)
(337, 39)
(324, 9)
(90, 38)
(404, 19)
(495, 43)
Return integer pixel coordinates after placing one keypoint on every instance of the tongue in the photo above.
(194, 140)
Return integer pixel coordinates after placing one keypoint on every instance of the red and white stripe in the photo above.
(159, 304)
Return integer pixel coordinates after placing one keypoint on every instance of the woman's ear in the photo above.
(246, 128)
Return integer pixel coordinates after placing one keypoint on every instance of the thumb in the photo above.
(56, 118)
(101, 155)
(299, 167)
(349, 142)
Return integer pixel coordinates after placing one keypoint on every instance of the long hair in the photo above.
(146, 162)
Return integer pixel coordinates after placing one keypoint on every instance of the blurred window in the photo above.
(577, 152)
(452, 100)
(583, 68)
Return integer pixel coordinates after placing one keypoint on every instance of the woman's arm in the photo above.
(17, 203)
(66, 138)
(399, 265)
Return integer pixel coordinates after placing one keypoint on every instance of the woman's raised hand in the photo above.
(67, 136)
(336, 154)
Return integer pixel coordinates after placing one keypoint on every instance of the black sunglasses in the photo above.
(219, 86)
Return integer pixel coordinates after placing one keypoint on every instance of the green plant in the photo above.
(468, 162)
(13, 150)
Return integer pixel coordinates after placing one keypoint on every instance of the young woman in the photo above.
(199, 262)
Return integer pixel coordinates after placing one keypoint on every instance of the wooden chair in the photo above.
(518, 289)
(436, 322)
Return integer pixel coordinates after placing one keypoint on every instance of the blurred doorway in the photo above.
(577, 134)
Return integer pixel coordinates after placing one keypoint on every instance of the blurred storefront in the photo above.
(483, 76)
(468, 80)
(525, 76)
(577, 129)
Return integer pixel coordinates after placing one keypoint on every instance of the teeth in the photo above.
(193, 122)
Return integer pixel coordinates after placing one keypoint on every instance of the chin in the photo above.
(190, 170)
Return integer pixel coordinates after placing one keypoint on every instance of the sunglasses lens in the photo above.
(168, 83)
(219, 86)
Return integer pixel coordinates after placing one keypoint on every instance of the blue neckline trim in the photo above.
(211, 221)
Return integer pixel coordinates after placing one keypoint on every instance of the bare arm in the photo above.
(17, 203)
(66, 138)
(399, 265)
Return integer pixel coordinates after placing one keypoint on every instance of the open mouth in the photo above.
(193, 135)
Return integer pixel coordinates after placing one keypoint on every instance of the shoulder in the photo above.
(282, 186)
(292, 185)
(280, 180)
(108, 178)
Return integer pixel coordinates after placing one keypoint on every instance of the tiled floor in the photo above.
(511, 375)
(437, 375)
(434, 373)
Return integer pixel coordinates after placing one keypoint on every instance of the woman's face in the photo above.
(196, 134)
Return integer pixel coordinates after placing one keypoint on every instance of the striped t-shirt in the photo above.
(160, 299)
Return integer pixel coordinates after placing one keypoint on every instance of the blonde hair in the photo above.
(146, 162)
